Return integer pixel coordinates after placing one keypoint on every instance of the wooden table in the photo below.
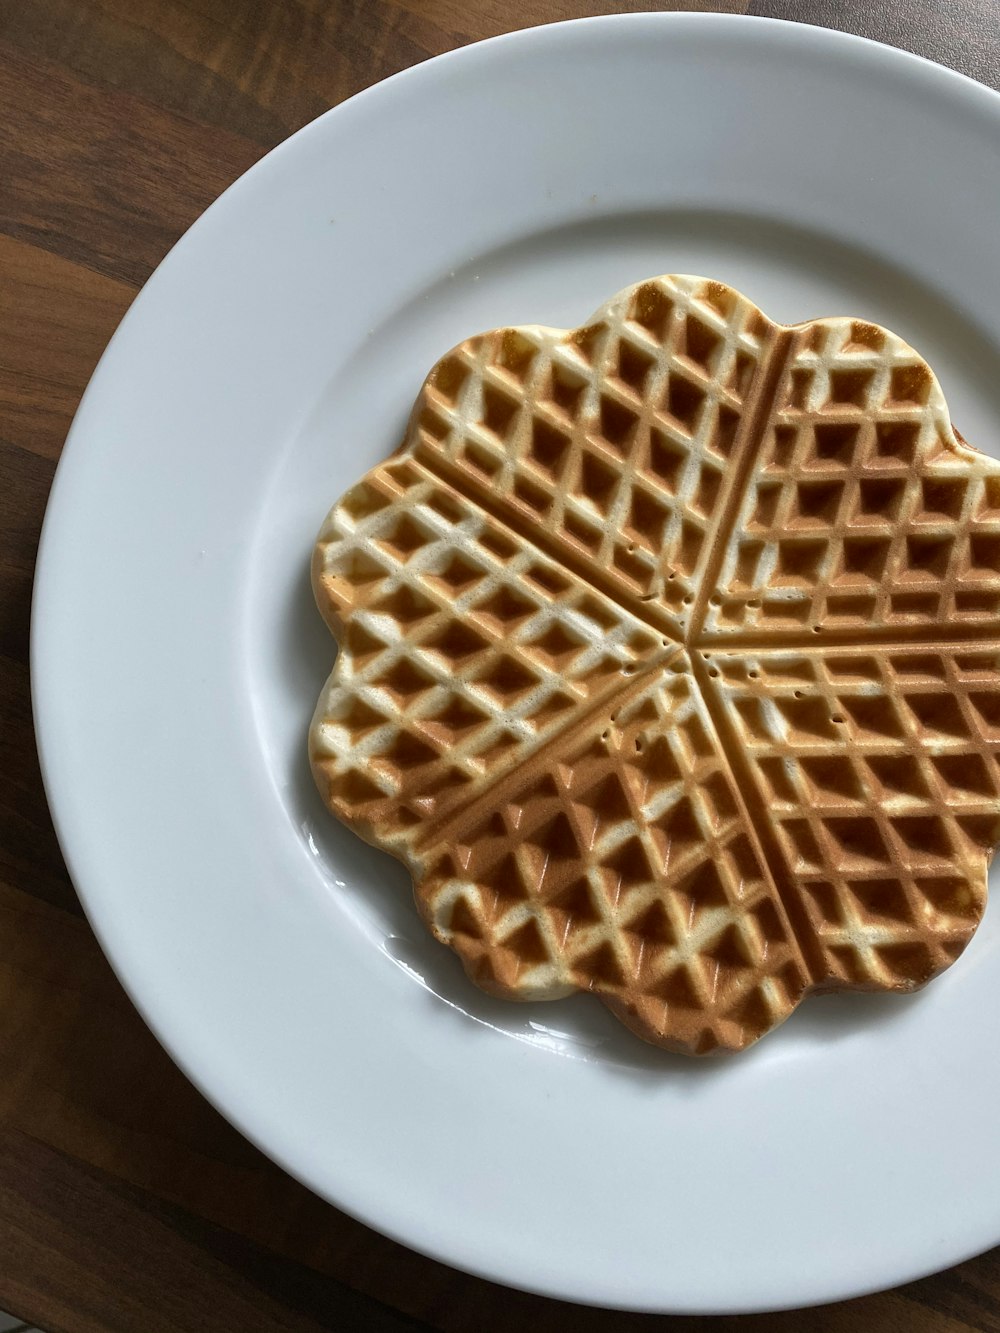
(126, 1202)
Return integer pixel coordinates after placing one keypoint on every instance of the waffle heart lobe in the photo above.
(669, 654)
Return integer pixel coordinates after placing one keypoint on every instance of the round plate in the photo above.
(177, 657)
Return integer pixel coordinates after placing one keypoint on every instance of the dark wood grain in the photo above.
(964, 34)
(127, 1204)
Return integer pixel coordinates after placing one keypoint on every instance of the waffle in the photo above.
(668, 663)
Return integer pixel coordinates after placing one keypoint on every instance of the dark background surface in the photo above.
(126, 1203)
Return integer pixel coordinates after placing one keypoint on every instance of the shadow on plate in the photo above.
(757, 254)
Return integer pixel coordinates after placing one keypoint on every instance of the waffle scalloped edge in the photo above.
(669, 662)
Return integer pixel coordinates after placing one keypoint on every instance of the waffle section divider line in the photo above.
(926, 636)
(762, 834)
(745, 446)
(615, 696)
(444, 471)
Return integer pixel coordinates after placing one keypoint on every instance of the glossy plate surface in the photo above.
(177, 656)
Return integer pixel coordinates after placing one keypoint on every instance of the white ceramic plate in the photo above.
(177, 657)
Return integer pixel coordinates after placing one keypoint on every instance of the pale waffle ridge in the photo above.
(670, 662)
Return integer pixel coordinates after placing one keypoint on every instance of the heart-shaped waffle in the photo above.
(670, 663)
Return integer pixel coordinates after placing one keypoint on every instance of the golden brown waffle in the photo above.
(670, 663)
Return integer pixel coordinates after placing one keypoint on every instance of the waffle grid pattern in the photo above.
(859, 514)
(626, 864)
(467, 652)
(616, 440)
(573, 694)
(879, 771)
